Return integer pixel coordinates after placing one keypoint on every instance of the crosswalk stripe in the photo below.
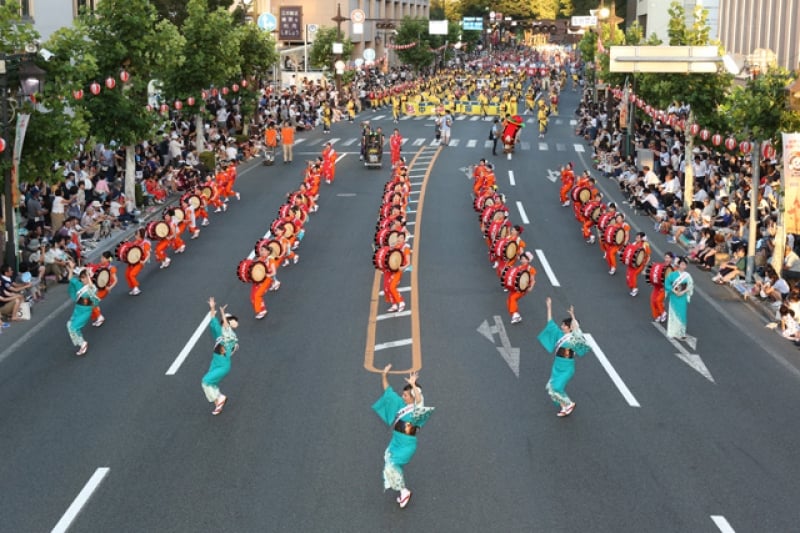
(334, 140)
(418, 142)
(419, 118)
(434, 142)
(313, 142)
(543, 147)
(454, 142)
(471, 143)
(378, 117)
(461, 117)
(405, 117)
(559, 121)
(488, 144)
(348, 142)
(525, 145)
(473, 119)
(579, 148)
(300, 140)
(573, 122)
(560, 147)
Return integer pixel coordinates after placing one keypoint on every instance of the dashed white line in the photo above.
(522, 214)
(471, 143)
(511, 178)
(547, 270)
(579, 148)
(83, 496)
(722, 523)
(173, 369)
(611, 371)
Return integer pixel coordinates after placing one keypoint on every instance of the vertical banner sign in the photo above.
(623, 110)
(791, 180)
(291, 23)
(19, 139)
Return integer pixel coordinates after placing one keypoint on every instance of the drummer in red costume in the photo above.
(567, 182)
(612, 248)
(163, 244)
(391, 280)
(106, 261)
(514, 294)
(258, 289)
(632, 271)
(132, 271)
(657, 307)
(395, 144)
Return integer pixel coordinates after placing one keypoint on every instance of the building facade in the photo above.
(760, 31)
(653, 15)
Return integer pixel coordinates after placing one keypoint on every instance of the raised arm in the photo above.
(549, 309)
(384, 376)
(575, 324)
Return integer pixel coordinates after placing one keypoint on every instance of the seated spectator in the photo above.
(789, 328)
(773, 288)
(706, 241)
(10, 299)
(791, 263)
(733, 268)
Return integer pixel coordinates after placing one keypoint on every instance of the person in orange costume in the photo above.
(391, 280)
(583, 181)
(132, 271)
(230, 181)
(214, 200)
(258, 290)
(606, 219)
(270, 139)
(612, 249)
(657, 307)
(632, 272)
(180, 226)
(512, 302)
(105, 262)
(395, 144)
(279, 233)
(163, 244)
(287, 141)
(567, 181)
(514, 234)
(201, 212)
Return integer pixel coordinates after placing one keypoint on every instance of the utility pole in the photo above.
(338, 19)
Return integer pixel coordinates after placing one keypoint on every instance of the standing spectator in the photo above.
(287, 141)
(35, 210)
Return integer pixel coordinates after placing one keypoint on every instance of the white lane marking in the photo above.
(573, 122)
(300, 140)
(722, 523)
(393, 344)
(473, 119)
(522, 213)
(525, 145)
(692, 359)
(547, 270)
(378, 117)
(173, 369)
(471, 143)
(543, 147)
(488, 144)
(418, 141)
(411, 223)
(454, 142)
(334, 140)
(411, 211)
(561, 147)
(511, 178)
(346, 194)
(80, 500)
(461, 117)
(341, 157)
(400, 289)
(612, 373)
(348, 142)
(579, 148)
(393, 315)
(313, 142)
(406, 117)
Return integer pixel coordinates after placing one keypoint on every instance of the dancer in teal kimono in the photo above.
(679, 288)
(225, 344)
(565, 341)
(405, 414)
(83, 292)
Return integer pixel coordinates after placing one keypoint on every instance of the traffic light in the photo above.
(385, 25)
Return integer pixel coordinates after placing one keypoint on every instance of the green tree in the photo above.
(211, 58)
(176, 11)
(257, 55)
(127, 34)
(321, 52)
(415, 30)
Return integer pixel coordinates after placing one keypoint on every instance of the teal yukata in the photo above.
(220, 363)
(552, 338)
(678, 304)
(391, 408)
(85, 298)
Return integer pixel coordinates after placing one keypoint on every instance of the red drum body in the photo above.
(129, 253)
(192, 199)
(386, 258)
(506, 248)
(516, 278)
(581, 194)
(614, 236)
(605, 219)
(158, 229)
(178, 213)
(289, 228)
(592, 210)
(243, 270)
(656, 273)
(633, 255)
(101, 276)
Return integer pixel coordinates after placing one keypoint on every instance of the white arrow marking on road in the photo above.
(522, 214)
(553, 175)
(547, 270)
(511, 178)
(80, 500)
(691, 359)
(722, 523)
(509, 353)
(612, 373)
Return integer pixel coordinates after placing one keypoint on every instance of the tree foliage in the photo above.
(321, 52)
(176, 11)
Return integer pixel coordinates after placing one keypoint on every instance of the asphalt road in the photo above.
(661, 447)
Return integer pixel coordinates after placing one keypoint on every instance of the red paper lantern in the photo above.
(95, 88)
(730, 143)
(2, 145)
(178, 105)
(767, 150)
(190, 100)
(164, 108)
(111, 82)
(694, 129)
(745, 147)
(124, 76)
(235, 87)
(716, 139)
(77, 95)
(214, 92)
(631, 97)
(639, 103)
(648, 109)
(244, 83)
(149, 108)
(705, 134)
(224, 91)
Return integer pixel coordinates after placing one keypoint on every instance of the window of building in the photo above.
(78, 6)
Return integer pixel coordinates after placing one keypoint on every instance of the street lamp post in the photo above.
(31, 80)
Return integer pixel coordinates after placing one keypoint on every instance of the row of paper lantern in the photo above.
(695, 130)
(204, 94)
